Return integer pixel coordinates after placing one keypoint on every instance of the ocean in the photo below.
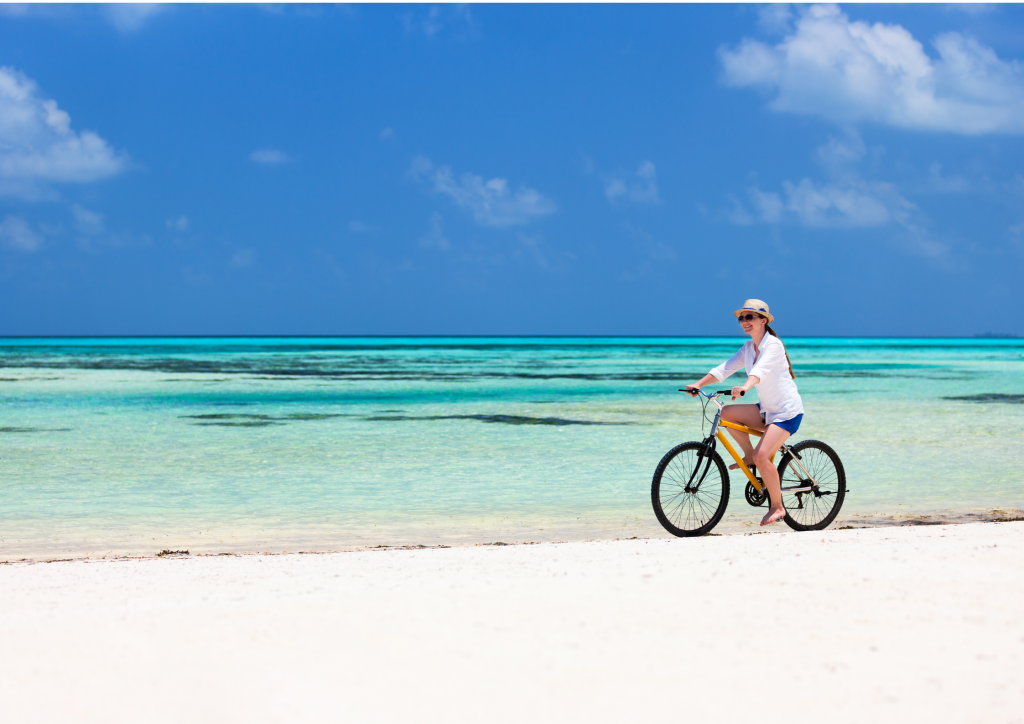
(115, 446)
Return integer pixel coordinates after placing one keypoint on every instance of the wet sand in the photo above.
(57, 543)
(921, 623)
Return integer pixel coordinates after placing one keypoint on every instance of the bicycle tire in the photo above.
(816, 509)
(683, 512)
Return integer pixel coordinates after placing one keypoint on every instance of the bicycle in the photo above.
(689, 502)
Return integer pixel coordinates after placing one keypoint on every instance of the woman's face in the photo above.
(751, 322)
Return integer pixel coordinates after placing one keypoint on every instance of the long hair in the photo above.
(769, 330)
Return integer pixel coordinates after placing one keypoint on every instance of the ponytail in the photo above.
(769, 330)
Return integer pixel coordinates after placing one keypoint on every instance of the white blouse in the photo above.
(777, 391)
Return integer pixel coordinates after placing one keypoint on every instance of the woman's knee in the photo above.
(761, 458)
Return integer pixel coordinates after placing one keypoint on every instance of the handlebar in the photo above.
(714, 394)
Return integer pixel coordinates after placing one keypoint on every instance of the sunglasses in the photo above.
(748, 318)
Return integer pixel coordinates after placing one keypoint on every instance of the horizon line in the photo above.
(985, 336)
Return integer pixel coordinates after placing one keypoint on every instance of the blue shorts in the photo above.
(791, 425)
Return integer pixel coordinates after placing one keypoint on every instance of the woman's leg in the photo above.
(749, 415)
(769, 445)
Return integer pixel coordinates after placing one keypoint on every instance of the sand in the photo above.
(918, 623)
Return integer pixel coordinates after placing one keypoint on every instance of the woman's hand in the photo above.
(745, 387)
(692, 390)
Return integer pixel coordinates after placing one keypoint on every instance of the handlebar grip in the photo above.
(729, 392)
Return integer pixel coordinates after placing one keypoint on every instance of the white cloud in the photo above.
(767, 206)
(130, 17)
(851, 203)
(971, 8)
(88, 222)
(438, 18)
(939, 182)
(845, 200)
(642, 189)
(304, 10)
(242, 258)
(25, 10)
(358, 227)
(533, 244)
(15, 233)
(838, 154)
(851, 72)
(491, 203)
(37, 142)
(126, 17)
(178, 224)
(864, 203)
(435, 238)
(774, 17)
(269, 156)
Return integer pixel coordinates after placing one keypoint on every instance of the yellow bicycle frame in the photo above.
(758, 485)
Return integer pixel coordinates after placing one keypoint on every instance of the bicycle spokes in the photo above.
(813, 485)
(690, 489)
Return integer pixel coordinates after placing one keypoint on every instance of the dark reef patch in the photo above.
(28, 379)
(35, 429)
(226, 419)
(501, 419)
(990, 397)
(348, 368)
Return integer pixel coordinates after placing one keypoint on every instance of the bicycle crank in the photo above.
(754, 496)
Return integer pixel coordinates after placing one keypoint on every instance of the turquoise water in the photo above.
(134, 445)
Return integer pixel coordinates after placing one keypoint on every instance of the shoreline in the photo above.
(651, 531)
(907, 623)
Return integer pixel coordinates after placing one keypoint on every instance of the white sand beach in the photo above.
(915, 624)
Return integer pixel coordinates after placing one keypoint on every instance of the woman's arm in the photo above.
(771, 360)
(727, 368)
(705, 380)
(745, 387)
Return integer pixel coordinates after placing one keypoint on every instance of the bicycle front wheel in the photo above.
(813, 486)
(690, 490)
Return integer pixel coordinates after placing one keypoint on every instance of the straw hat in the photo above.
(755, 305)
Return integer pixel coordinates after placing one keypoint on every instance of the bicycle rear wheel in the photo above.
(690, 492)
(812, 503)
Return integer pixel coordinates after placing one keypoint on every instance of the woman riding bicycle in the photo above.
(780, 410)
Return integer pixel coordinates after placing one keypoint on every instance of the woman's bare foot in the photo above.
(746, 461)
(773, 515)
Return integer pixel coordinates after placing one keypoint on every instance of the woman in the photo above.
(780, 410)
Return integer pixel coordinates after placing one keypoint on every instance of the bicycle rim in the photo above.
(813, 509)
(683, 508)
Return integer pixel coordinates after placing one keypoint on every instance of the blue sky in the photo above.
(498, 169)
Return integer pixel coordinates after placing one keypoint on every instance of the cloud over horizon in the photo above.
(37, 142)
(491, 203)
(852, 72)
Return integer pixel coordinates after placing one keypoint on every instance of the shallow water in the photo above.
(135, 445)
